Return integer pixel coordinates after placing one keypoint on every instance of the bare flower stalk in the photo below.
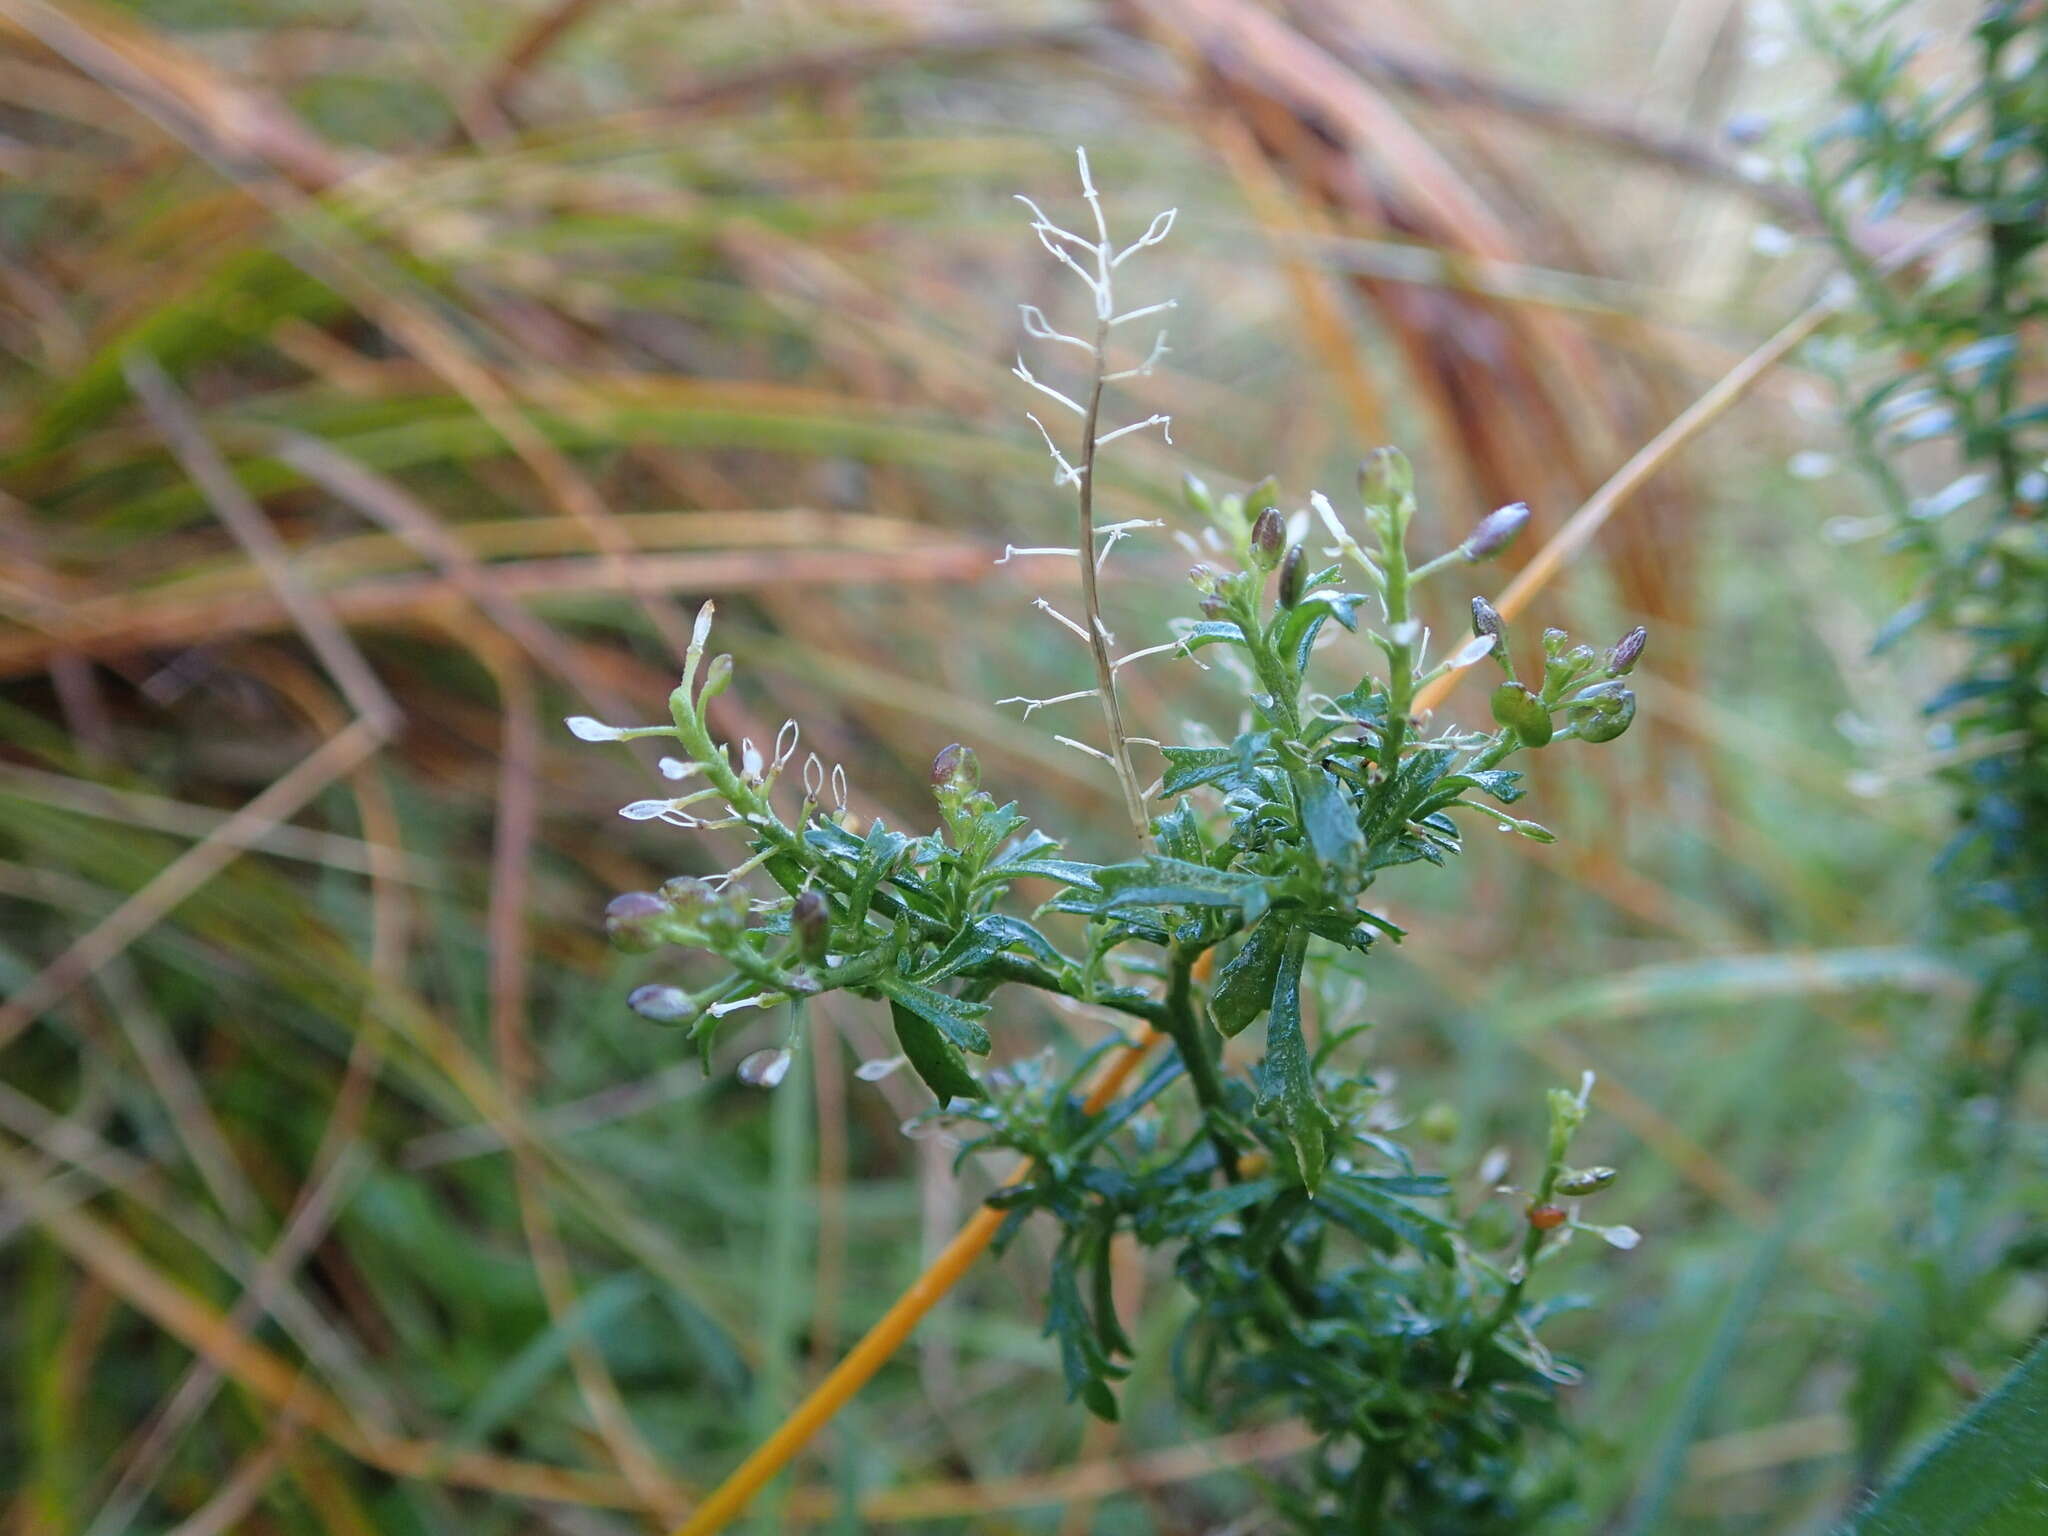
(1081, 472)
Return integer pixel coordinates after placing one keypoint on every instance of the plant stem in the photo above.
(1091, 598)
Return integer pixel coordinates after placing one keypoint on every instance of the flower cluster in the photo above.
(1333, 1275)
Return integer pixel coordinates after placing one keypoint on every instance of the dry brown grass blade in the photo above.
(1083, 1481)
(88, 797)
(246, 124)
(185, 874)
(197, 1325)
(237, 509)
(517, 822)
(117, 626)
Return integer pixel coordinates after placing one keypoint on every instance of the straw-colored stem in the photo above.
(885, 1337)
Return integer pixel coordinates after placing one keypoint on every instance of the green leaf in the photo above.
(1331, 823)
(983, 938)
(1244, 986)
(1986, 1476)
(1163, 882)
(953, 1017)
(933, 1057)
(1287, 1077)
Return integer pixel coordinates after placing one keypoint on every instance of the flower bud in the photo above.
(634, 921)
(1486, 620)
(1263, 497)
(810, 919)
(662, 1005)
(1439, 1123)
(1385, 478)
(1583, 1181)
(1496, 531)
(956, 774)
(1515, 707)
(765, 1069)
(1291, 577)
(1196, 495)
(1553, 641)
(1545, 1217)
(1269, 537)
(1627, 651)
(717, 674)
(1602, 711)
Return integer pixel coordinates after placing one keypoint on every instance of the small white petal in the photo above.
(881, 1067)
(646, 810)
(765, 1069)
(586, 729)
(1478, 648)
(676, 768)
(1623, 1238)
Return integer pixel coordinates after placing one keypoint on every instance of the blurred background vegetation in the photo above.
(383, 382)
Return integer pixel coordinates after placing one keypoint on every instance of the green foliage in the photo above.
(1332, 1277)
(1984, 1475)
(1935, 386)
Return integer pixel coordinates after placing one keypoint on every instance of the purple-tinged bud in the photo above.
(1269, 538)
(810, 919)
(1628, 650)
(662, 1005)
(1486, 620)
(1205, 579)
(1213, 607)
(765, 1069)
(634, 920)
(1515, 707)
(1496, 531)
(1291, 576)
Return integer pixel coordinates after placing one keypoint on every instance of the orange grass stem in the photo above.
(887, 1335)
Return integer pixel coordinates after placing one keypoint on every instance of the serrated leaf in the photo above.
(985, 937)
(953, 1017)
(1287, 1079)
(932, 1057)
(1331, 822)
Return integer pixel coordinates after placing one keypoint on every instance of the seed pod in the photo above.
(1583, 1181)
(1515, 707)
(1602, 711)
(1627, 651)
(634, 920)
(662, 1005)
(1291, 577)
(1496, 531)
(765, 1069)
(1385, 478)
(1545, 1217)
(810, 919)
(1269, 537)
